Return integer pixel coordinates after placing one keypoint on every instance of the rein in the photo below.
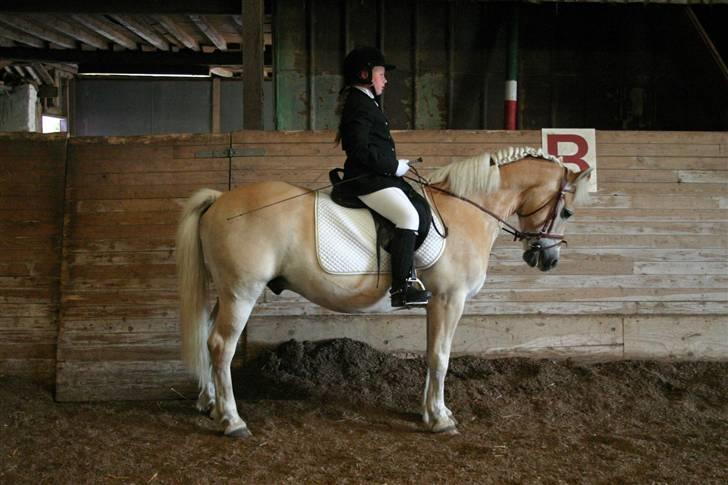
(518, 235)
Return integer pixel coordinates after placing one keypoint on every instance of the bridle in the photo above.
(558, 200)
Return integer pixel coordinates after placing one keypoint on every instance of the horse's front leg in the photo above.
(443, 314)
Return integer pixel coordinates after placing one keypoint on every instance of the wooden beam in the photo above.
(4, 63)
(143, 30)
(19, 71)
(177, 32)
(252, 47)
(76, 31)
(208, 7)
(715, 54)
(107, 29)
(31, 28)
(44, 75)
(31, 71)
(209, 31)
(180, 58)
(67, 70)
(21, 37)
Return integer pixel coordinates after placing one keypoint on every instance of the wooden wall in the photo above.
(119, 334)
(644, 276)
(32, 171)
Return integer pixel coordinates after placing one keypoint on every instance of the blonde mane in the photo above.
(482, 172)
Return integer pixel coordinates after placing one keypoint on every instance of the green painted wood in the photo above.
(292, 103)
(431, 75)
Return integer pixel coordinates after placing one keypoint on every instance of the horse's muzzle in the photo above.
(543, 254)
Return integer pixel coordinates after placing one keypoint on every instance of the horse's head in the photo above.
(542, 218)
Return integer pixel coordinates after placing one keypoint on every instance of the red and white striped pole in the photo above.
(511, 91)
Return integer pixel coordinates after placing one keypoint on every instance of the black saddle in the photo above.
(385, 228)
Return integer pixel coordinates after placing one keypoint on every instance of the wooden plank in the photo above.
(134, 165)
(664, 163)
(671, 337)
(140, 191)
(101, 381)
(102, 180)
(538, 336)
(662, 137)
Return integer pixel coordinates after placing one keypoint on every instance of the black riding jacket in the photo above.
(369, 146)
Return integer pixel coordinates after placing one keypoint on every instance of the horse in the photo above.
(262, 235)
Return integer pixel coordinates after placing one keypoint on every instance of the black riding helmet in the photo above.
(363, 59)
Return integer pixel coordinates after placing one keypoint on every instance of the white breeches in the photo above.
(394, 205)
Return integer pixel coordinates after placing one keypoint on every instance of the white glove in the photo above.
(402, 168)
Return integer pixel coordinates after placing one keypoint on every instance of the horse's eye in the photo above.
(566, 213)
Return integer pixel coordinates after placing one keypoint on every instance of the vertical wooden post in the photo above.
(511, 91)
(215, 111)
(252, 48)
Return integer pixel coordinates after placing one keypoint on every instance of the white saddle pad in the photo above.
(346, 238)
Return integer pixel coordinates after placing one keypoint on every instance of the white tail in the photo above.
(192, 285)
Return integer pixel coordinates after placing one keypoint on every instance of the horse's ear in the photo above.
(585, 175)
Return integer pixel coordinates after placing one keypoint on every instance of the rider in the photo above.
(373, 167)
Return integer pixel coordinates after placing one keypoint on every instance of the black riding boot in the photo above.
(402, 250)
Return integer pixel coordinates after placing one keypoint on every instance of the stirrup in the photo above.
(413, 294)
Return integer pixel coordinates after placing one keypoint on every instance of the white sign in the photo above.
(576, 147)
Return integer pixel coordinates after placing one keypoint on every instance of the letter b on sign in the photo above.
(576, 147)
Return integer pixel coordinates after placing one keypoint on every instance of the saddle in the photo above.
(384, 227)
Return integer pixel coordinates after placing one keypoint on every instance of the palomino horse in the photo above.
(263, 235)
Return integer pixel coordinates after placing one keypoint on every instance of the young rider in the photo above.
(372, 163)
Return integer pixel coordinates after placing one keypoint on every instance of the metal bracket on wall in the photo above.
(231, 152)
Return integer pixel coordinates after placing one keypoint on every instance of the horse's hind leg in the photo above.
(229, 324)
(206, 398)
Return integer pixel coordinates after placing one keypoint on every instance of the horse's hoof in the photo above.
(445, 426)
(240, 433)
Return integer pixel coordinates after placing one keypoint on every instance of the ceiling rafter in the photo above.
(210, 32)
(181, 58)
(177, 31)
(208, 7)
(76, 31)
(44, 74)
(31, 28)
(21, 37)
(143, 30)
(31, 71)
(107, 29)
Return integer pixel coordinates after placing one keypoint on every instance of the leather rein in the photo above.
(547, 226)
